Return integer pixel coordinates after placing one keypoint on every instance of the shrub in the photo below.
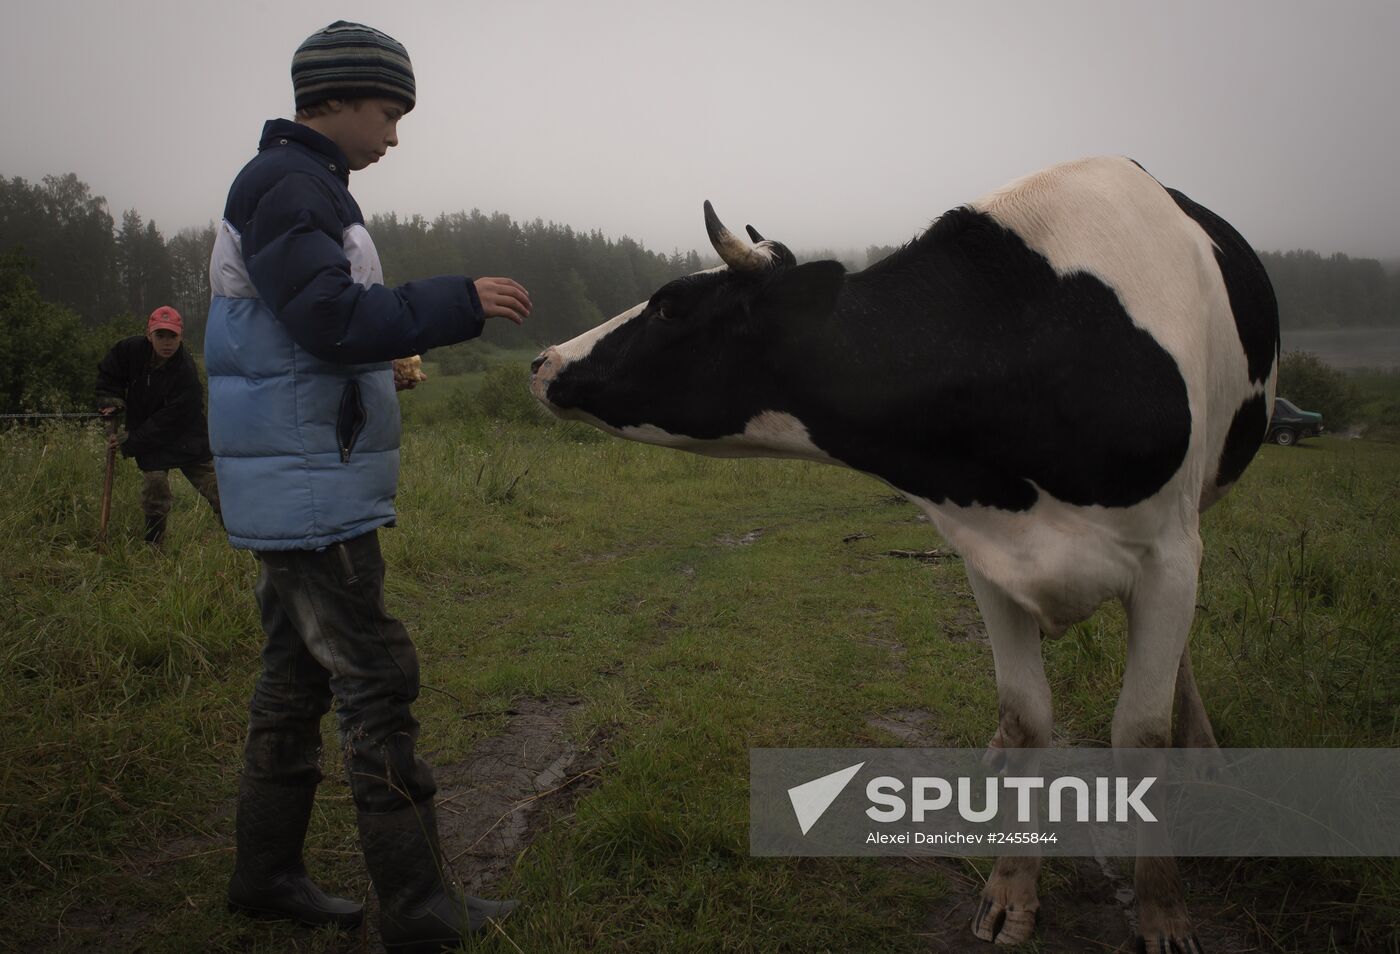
(1305, 380)
(48, 359)
(462, 358)
(505, 396)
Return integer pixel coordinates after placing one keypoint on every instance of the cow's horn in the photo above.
(736, 253)
(777, 252)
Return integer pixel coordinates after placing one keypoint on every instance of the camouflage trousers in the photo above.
(156, 497)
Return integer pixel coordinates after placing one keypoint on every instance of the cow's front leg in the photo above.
(1193, 729)
(1009, 903)
(1160, 610)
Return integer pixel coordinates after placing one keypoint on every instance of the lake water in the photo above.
(1349, 349)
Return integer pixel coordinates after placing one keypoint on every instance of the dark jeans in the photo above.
(328, 634)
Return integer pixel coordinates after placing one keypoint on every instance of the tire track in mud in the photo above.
(492, 804)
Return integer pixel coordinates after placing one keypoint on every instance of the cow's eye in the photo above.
(664, 311)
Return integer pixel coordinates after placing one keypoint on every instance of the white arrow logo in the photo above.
(810, 800)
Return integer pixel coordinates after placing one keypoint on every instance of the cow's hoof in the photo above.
(1165, 926)
(1002, 924)
(1163, 944)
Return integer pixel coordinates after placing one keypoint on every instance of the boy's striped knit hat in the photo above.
(351, 61)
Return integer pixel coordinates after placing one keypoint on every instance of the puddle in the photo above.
(744, 541)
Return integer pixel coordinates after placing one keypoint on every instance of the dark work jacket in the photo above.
(164, 414)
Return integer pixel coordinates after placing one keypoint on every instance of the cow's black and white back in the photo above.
(1062, 374)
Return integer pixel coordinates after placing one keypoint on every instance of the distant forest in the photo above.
(80, 258)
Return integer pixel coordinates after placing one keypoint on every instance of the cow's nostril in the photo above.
(535, 365)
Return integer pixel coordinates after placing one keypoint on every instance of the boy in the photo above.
(153, 379)
(305, 427)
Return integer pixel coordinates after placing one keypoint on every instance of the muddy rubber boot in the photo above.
(421, 910)
(155, 530)
(269, 879)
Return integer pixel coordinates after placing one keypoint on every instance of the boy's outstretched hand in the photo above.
(503, 298)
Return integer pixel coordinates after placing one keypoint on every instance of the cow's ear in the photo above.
(806, 290)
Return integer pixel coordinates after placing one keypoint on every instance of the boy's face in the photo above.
(165, 341)
(364, 129)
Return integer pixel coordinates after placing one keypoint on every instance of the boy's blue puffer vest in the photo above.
(303, 418)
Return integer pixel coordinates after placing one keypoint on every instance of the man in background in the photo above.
(153, 379)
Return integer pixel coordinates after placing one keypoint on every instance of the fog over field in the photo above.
(1348, 348)
(824, 124)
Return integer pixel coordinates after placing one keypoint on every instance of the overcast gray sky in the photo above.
(823, 124)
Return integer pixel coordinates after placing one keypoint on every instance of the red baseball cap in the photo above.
(166, 317)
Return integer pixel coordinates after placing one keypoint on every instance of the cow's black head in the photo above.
(700, 364)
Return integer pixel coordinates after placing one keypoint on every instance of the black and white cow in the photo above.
(1062, 375)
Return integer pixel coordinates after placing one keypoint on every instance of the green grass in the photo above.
(536, 559)
(1378, 402)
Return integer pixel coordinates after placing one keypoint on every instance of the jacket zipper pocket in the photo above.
(351, 421)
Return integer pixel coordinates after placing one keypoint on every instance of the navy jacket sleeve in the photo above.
(114, 375)
(293, 250)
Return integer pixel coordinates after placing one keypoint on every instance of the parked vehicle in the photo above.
(1290, 425)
